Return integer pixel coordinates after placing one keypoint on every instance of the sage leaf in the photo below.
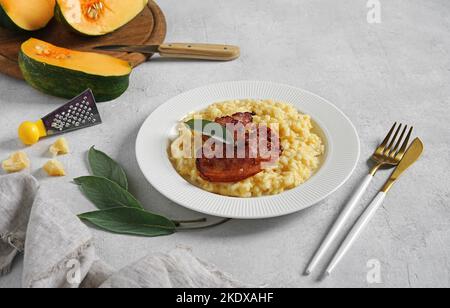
(104, 166)
(211, 129)
(106, 194)
(130, 221)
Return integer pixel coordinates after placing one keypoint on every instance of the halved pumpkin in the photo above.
(97, 17)
(66, 73)
(26, 15)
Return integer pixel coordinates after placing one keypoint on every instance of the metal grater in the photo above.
(79, 113)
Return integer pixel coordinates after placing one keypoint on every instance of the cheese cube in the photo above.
(17, 162)
(60, 147)
(54, 168)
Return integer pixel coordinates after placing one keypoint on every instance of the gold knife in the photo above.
(411, 156)
(212, 52)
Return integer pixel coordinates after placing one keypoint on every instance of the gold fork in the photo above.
(388, 154)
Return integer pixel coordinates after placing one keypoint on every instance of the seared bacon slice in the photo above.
(231, 170)
(244, 117)
(228, 170)
(240, 117)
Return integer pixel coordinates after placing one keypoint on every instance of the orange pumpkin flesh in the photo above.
(28, 15)
(66, 73)
(86, 62)
(98, 17)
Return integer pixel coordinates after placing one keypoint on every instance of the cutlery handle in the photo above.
(339, 224)
(200, 51)
(362, 222)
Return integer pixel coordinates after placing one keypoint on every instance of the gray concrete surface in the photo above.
(398, 70)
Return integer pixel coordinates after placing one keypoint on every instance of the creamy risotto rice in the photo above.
(301, 157)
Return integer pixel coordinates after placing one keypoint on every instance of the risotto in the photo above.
(301, 156)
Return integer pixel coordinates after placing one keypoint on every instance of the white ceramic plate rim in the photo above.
(343, 151)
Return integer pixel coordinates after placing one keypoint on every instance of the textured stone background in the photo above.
(398, 70)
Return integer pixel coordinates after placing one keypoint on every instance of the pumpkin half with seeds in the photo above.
(66, 73)
(26, 15)
(97, 17)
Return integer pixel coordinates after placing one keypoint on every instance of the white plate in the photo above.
(341, 138)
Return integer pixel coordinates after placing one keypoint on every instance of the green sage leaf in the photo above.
(106, 194)
(104, 166)
(211, 129)
(130, 221)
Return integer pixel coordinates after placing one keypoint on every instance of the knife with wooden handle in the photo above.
(212, 52)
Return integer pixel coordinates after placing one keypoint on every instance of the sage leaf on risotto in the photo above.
(211, 129)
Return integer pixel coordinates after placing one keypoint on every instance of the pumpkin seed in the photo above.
(92, 12)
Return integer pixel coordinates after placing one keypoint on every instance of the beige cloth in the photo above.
(59, 252)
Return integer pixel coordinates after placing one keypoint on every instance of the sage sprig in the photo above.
(103, 166)
(119, 211)
(106, 194)
(130, 221)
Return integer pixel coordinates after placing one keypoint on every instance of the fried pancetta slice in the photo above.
(231, 170)
(240, 117)
(228, 170)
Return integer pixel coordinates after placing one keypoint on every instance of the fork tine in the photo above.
(399, 142)
(405, 145)
(388, 137)
(391, 144)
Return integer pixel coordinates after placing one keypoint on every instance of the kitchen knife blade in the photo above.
(145, 49)
(212, 52)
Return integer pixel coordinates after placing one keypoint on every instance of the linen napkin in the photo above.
(59, 251)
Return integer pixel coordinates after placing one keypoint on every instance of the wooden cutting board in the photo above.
(147, 28)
